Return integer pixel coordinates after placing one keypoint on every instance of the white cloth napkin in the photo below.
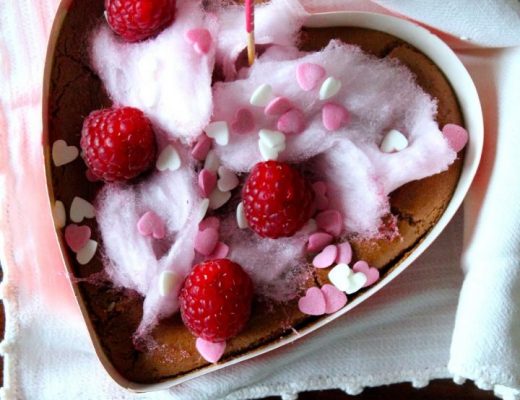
(404, 333)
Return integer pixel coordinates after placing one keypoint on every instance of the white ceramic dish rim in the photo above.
(469, 102)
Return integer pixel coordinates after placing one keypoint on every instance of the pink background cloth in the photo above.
(26, 223)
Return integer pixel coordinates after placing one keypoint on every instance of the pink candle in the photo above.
(250, 16)
(250, 29)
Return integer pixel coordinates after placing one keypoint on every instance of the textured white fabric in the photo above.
(402, 334)
(488, 23)
(486, 340)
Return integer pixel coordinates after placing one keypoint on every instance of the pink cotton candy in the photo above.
(166, 77)
(378, 94)
(276, 266)
(134, 261)
(277, 22)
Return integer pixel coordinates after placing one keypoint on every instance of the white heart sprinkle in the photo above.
(241, 216)
(212, 162)
(218, 198)
(80, 209)
(274, 139)
(219, 131)
(60, 215)
(227, 179)
(87, 252)
(393, 141)
(63, 154)
(262, 95)
(329, 88)
(204, 204)
(167, 282)
(268, 153)
(168, 159)
(345, 279)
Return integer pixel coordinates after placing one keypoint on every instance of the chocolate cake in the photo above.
(115, 313)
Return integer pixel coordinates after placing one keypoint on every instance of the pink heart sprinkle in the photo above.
(344, 253)
(210, 222)
(150, 224)
(211, 352)
(77, 236)
(201, 40)
(313, 303)
(201, 148)
(330, 221)
(206, 241)
(221, 251)
(292, 122)
(326, 258)
(334, 116)
(371, 273)
(278, 106)
(456, 136)
(321, 199)
(318, 241)
(320, 187)
(322, 202)
(244, 121)
(207, 181)
(335, 299)
(309, 75)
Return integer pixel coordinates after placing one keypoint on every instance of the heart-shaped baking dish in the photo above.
(429, 44)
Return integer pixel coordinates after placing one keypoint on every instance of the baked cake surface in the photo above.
(76, 91)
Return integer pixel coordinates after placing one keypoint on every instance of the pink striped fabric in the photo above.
(33, 259)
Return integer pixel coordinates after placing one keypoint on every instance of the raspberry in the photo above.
(136, 20)
(277, 200)
(118, 143)
(216, 300)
